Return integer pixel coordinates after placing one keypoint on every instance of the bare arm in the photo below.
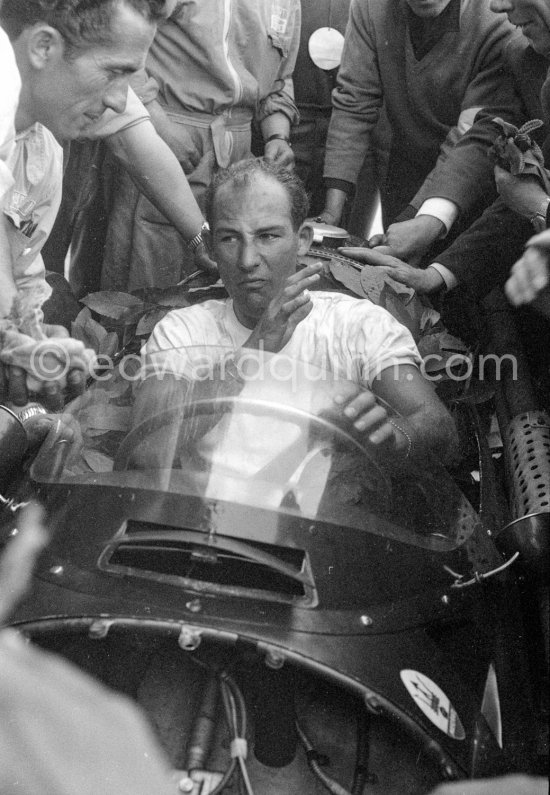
(424, 427)
(278, 149)
(156, 170)
(159, 176)
(176, 136)
(425, 418)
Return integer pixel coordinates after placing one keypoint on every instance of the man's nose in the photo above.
(115, 97)
(502, 6)
(249, 257)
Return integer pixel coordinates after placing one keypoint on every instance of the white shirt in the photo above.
(349, 337)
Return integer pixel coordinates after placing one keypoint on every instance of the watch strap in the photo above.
(198, 240)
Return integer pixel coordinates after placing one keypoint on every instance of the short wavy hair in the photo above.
(81, 22)
(241, 174)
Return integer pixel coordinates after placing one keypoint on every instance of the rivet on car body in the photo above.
(99, 629)
(366, 621)
(274, 659)
(194, 606)
(189, 638)
(373, 704)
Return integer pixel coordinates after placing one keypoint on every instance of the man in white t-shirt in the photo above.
(257, 211)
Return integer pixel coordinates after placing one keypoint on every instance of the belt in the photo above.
(221, 126)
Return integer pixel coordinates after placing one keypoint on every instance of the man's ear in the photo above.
(305, 235)
(44, 45)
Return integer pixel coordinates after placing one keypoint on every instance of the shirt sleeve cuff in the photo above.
(449, 278)
(444, 210)
(340, 184)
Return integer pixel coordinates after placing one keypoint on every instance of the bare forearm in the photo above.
(431, 435)
(334, 205)
(275, 124)
(159, 176)
(423, 419)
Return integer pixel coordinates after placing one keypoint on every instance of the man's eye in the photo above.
(268, 236)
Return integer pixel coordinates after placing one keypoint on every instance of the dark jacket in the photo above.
(482, 256)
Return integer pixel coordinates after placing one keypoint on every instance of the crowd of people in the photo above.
(127, 133)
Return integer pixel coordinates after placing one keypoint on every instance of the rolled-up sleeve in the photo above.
(280, 98)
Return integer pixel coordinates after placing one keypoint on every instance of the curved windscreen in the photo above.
(266, 432)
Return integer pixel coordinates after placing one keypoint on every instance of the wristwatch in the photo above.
(279, 137)
(196, 241)
(31, 410)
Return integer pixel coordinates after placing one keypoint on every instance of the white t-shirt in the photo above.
(351, 338)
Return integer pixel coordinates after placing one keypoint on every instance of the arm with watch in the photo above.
(277, 112)
(276, 133)
(158, 174)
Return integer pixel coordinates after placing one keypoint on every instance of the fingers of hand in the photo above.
(204, 261)
(306, 276)
(395, 269)
(302, 300)
(37, 428)
(372, 256)
(51, 395)
(17, 392)
(295, 292)
(358, 253)
(51, 330)
(528, 278)
(299, 314)
(366, 415)
(76, 381)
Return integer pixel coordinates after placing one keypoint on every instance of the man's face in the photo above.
(69, 95)
(428, 9)
(533, 17)
(254, 243)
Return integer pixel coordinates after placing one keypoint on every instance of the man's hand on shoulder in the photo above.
(285, 311)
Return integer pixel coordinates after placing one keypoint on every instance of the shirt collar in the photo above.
(425, 33)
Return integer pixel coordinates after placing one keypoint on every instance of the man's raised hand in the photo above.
(285, 311)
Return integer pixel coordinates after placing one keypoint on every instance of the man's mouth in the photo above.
(91, 118)
(252, 284)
